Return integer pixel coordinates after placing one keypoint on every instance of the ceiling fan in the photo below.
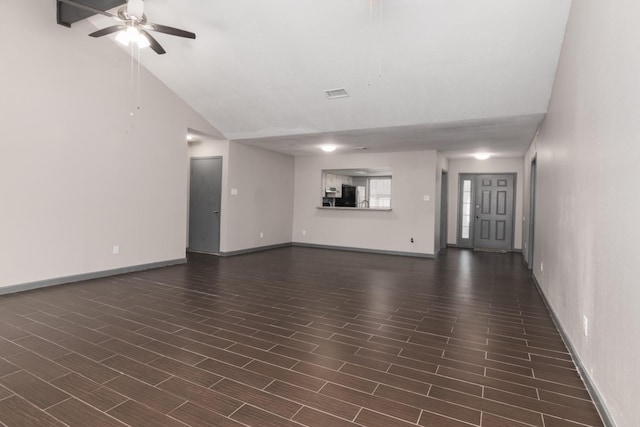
(133, 26)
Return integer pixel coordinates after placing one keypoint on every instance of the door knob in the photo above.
(216, 212)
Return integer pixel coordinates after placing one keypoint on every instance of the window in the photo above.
(380, 192)
(466, 208)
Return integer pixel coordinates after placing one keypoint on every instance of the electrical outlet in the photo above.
(542, 266)
(261, 234)
(412, 240)
(585, 325)
(304, 232)
(116, 249)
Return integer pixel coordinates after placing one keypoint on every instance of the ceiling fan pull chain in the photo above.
(131, 82)
(138, 83)
(379, 38)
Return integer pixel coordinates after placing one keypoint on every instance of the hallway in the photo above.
(292, 336)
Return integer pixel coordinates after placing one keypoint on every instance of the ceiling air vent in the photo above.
(336, 93)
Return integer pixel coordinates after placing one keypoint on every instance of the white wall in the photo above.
(414, 175)
(264, 204)
(492, 165)
(587, 210)
(78, 174)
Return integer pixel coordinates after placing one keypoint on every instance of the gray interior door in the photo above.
(204, 204)
(493, 228)
(532, 214)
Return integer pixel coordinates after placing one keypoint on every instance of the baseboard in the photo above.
(364, 250)
(593, 391)
(257, 249)
(87, 276)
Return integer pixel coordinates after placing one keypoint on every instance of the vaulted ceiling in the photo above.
(453, 75)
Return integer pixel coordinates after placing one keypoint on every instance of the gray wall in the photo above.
(587, 212)
(264, 203)
(414, 175)
(78, 174)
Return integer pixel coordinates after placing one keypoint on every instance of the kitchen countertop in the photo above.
(343, 208)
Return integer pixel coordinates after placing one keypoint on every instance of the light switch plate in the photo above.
(234, 191)
(426, 198)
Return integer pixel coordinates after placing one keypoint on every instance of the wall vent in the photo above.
(336, 93)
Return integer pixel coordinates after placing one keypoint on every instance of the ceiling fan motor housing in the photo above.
(135, 8)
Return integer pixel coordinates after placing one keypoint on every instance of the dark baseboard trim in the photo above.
(87, 276)
(257, 249)
(593, 391)
(370, 251)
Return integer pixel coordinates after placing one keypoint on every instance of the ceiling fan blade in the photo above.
(170, 30)
(108, 30)
(90, 9)
(154, 43)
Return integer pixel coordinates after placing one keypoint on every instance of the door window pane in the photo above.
(466, 208)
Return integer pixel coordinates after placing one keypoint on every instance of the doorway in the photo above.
(486, 211)
(205, 193)
(532, 212)
(444, 202)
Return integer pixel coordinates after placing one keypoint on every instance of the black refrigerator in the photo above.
(348, 199)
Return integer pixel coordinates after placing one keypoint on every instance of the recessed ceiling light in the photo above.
(328, 148)
(482, 156)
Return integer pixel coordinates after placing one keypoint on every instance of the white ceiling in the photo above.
(453, 75)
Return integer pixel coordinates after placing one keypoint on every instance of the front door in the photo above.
(494, 212)
(486, 211)
(204, 204)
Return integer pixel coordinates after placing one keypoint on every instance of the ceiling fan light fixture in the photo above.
(129, 35)
(132, 35)
(143, 41)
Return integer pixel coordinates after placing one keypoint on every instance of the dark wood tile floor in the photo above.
(290, 337)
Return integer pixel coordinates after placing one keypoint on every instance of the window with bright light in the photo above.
(466, 208)
(380, 192)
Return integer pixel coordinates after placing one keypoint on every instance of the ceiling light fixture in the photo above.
(132, 35)
(482, 156)
(328, 148)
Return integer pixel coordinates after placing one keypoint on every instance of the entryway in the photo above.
(205, 193)
(486, 211)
